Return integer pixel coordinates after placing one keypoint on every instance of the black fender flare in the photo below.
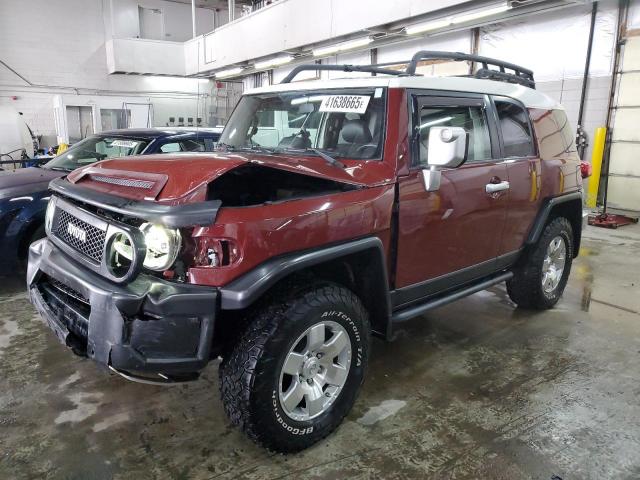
(246, 289)
(543, 215)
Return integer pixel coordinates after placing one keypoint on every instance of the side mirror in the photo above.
(447, 147)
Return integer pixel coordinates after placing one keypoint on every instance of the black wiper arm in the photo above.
(327, 157)
(226, 146)
(261, 149)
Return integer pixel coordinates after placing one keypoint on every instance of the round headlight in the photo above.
(48, 217)
(163, 246)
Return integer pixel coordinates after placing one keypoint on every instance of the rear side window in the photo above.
(516, 133)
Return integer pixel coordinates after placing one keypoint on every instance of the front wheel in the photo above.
(296, 371)
(538, 283)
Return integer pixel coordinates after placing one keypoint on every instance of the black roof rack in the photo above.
(517, 74)
(339, 68)
(520, 75)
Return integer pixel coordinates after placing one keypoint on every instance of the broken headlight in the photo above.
(163, 245)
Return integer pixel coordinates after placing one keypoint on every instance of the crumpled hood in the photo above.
(179, 178)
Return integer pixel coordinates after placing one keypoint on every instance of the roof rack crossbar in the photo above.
(520, 75)
(485, 73)
(339, 68)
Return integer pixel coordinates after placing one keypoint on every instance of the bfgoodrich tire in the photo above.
(540, 279)
(295, 373)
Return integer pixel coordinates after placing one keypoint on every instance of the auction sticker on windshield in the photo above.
(345, 103)
(124, 143)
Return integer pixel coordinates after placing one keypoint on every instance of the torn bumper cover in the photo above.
(149, 326)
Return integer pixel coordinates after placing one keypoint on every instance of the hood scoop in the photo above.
(133, 185)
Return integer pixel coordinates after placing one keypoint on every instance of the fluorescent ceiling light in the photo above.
(273, 62)
(427, 26)
(321, 52)
(228, 73)
(480, 14)
(341, 47)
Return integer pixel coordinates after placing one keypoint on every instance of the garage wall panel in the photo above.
(629, 89)
(624, 156)
(626, 125)
(554, 44)
(627, 159)
(633, 20)
(624, 194)
(455, 42)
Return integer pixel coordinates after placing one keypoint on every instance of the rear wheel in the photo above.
(539, 282)
(296, 371)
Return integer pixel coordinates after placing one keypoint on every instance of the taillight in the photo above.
(585, 169)
(216, 252)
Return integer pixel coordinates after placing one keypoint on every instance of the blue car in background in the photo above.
(24, 192)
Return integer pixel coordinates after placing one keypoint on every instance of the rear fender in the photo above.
(568, 206)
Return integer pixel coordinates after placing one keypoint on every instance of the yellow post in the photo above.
(596, 166)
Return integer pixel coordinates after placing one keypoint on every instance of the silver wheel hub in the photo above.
(553, 264)
(314, 371)
(310, 368)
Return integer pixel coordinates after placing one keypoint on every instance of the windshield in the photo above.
(345, 123)
(95, 148)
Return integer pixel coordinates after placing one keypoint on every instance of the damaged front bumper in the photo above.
(149, 329)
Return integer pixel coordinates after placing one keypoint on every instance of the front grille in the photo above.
(68, 291)
(89, 244)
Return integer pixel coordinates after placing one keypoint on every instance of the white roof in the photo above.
(529, 97)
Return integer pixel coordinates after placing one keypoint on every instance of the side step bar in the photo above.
(415, 310)
(159, 379)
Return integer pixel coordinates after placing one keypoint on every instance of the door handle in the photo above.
(497, 187)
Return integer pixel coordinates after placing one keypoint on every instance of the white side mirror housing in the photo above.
(447, 146)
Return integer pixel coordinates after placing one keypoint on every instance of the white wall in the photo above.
(288, 24)
(552, 44)
(177, 19)
(69, 59)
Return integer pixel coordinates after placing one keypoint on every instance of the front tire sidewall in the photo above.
(265, 398)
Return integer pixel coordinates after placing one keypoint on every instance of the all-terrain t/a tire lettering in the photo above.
(251, 376)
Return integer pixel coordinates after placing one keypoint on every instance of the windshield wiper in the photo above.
(252, 148)
(261, 149)
(327, 157)
(226, 146)
(59, 169)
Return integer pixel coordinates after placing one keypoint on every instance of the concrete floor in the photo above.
(476, 389)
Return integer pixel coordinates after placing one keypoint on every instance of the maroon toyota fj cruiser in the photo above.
(332, 211)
